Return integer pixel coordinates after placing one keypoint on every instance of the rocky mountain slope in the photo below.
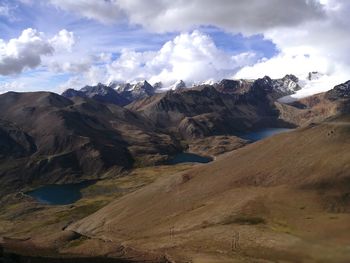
(339, 92)
(116, 93)
(48, 138)
(14, 142)
(99, 93)
(133, 92)
(229, 107)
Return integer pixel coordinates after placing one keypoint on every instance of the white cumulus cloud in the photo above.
(32, 48)
(64, 40)
(23, 52)
(191, 57)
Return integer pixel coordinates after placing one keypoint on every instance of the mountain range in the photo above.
(124, 93)
(281, 199)
(68, 138)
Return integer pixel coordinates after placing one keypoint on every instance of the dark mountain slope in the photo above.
(339, 91)
(63, 140)
(14, 142)
(204, 110)
(120, 94)
(100, 92)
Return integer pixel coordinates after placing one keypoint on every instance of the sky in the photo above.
(58, 44)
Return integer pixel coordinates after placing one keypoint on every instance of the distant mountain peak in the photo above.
(180, 84)
(143, 85)
(100, 92)
(99, 89)
(158, 85)
(340, 91)
(135, 91)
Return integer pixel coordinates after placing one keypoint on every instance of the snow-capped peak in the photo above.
(289, 84)
(178, 85)
(314, 82)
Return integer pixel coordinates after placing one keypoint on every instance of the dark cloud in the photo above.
(177, 15)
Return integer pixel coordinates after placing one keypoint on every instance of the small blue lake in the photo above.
(251, 136)
(69, 193)
(59, 194)
(263, 133)
(189, 158)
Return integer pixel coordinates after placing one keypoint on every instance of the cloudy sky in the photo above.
(56, 44)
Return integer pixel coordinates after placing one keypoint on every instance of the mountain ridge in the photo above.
(121, 93)
(74, 139)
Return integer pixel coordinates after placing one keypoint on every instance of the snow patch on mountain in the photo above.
(133, 91)
(313, 83)
(287, 85)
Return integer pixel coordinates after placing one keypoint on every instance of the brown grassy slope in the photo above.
(283, 198)
(216, 145)
(312, 109)
(31, 228)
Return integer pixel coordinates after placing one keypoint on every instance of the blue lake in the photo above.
(59, 194)
(263, 133)
(251, 136)
(69, 193)
(189, 158)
